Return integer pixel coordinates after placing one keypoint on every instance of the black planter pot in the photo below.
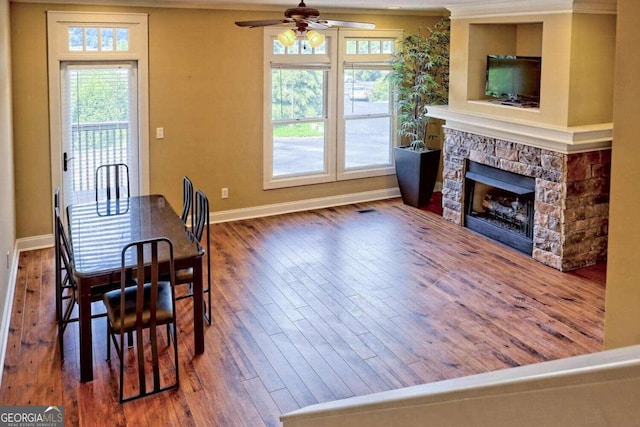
(416, 172)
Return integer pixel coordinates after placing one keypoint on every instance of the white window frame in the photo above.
(335, 58)
(326, 60)
(58, 24)
(372, 61)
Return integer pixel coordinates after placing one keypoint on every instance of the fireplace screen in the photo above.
(499, 205)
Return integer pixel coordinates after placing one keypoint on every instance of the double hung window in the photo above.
(329, 114)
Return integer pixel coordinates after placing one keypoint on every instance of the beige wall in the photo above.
(205, 82)
(7, 204)
(591, 74)
(622, 319)
(31, 123)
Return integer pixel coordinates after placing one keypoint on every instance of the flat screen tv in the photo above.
(514, 79)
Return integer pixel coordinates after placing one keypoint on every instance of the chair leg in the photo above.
(207, 310)
(140, 350)
(121, 356)
(58, 300)
(108, 341)
(61, 338)
(175, 352)
(155, 359)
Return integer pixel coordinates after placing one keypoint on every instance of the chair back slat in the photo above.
(187, 201)
(201, 213)
(63, 246)
(109, 178)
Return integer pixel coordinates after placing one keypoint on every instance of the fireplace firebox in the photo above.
(500, 205)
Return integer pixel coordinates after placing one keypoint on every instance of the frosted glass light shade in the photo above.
(287, 38)
(315, 38)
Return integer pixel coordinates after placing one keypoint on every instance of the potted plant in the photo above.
(420, 74)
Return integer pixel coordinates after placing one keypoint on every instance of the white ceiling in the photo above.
(455, 7)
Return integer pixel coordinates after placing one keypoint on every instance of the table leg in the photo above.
(86, 349)
(198, 307)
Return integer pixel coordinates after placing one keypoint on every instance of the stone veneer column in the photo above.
(571, 199)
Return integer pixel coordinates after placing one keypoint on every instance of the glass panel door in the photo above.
(99, 124)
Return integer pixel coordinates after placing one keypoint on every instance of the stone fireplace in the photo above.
(571, 193)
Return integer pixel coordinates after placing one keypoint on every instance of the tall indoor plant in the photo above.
(420, 74)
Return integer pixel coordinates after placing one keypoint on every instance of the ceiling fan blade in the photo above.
(316, 25)
(262, 23)
(350, 24)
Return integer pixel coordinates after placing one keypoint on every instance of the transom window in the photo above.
(330, 115)
(95, 39)
(363, 46)
(299, 47)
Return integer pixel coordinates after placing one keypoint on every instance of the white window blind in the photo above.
(98, 101)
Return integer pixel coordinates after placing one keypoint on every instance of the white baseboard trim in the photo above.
(8, 306)
(35, 242)
(302, 205)
(25, 244)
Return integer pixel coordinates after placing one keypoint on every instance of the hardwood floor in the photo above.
(317, 306)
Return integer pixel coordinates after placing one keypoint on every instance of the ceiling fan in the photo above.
(305, 19)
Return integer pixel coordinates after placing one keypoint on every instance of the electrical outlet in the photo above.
(224, 193)
(159, 133)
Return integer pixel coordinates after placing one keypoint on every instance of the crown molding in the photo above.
(243, 6)
(480, 9)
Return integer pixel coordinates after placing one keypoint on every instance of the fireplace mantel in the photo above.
(566, 140)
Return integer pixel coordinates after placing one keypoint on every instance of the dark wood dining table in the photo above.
(99, 231)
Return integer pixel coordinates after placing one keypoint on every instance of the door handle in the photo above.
(65, 161)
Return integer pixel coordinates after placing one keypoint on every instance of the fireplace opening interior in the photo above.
(499, 204)
(502, 208)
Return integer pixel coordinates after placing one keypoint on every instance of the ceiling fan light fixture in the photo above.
(315, 38)
(303, 18)
(287, 38)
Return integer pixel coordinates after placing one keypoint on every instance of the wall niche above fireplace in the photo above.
(576, 84)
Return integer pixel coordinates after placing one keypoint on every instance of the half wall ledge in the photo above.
(578, 391)
(566, 140)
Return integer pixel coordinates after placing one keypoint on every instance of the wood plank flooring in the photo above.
(316, 306)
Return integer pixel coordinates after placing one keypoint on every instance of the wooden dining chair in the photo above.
(187, 202)
(66, 288)
(112, 181)
(200, 224)
(65, 281)
(144, 306)
(60, 269)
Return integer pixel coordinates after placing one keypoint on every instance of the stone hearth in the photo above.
(571, 193)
